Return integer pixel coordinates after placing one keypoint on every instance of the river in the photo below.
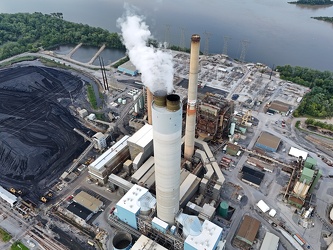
(277, 32)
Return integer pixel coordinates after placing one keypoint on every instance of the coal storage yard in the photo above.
(37, 141)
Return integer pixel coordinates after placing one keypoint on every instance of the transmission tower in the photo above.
(207, 37)
(182, 39)
(225, 45)
(245, 44)
(167, 36)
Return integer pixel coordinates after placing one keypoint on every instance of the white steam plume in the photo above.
(155, 65)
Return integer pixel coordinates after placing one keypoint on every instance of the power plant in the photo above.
(179, 181)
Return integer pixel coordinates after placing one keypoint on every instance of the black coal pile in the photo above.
(37, 141)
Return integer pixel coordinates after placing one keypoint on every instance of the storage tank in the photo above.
(122, 241)
(120, 100)
(232, 128)
(124, 101)
(223, 210)
(136, 105)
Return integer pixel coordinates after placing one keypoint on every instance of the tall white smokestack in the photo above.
(192, 97)
(167, 128)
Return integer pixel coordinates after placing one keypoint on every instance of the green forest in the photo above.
(313, 2)
(25, 32)
(324, 18)
(319, 101)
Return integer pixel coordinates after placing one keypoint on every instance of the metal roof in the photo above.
(143, 136)
(101, 161)
(249, 228)
(88, 201)
(187, 183)
(271, 242)
(144, 243)
(297, 153)
(7, 196)
(269, 140)
(263, 206)
(79, 210)
(279, 106)
(128, 65)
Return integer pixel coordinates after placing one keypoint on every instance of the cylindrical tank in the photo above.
(223, 210)
(232, 128)
(122, 241)
(120, 100)
(136, 106)
(124, 101)
(167, 128)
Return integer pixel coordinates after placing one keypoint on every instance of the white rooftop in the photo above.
(272, 213)
(144, 243)
(263, 206)
(101, 161)
(209, 236)
(143, 136)
(297, 153)
(187, 183)
(7, 196)
(271, 242)
(130, 201)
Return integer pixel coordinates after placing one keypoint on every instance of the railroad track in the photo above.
(44, 241)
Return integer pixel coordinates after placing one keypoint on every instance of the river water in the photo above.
(277, 32)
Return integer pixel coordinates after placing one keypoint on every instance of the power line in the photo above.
(207, 37)
(167, 36)
(225, 45)
(182, 39)
(245, 44)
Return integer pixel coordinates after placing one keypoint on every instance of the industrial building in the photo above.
(295, 152)
(102, 167)
(252, 176)
(141, 145)
(278, 107)
(248, 230)
(88, 201)
(144, 243)
(128, 68)
(80, 211)
(270, 242)
(214, 118)
(7, 196)
(156, 158)
(268, 142)
(99, 141)
(303, 183)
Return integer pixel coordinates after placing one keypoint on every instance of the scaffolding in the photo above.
(214, 117)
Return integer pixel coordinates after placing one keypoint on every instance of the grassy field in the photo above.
(91, 96)
(18, 246)
(4, 235)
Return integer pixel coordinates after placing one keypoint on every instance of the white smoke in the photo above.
(155, 65)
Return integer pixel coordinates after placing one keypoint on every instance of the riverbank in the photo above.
(313, 2)
(324, 18)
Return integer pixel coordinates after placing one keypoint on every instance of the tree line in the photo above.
(23, 32)
(320, 124)
(324, 18)
(313, 2)
(319, 101)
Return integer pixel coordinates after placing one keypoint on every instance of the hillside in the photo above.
(24, 32)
